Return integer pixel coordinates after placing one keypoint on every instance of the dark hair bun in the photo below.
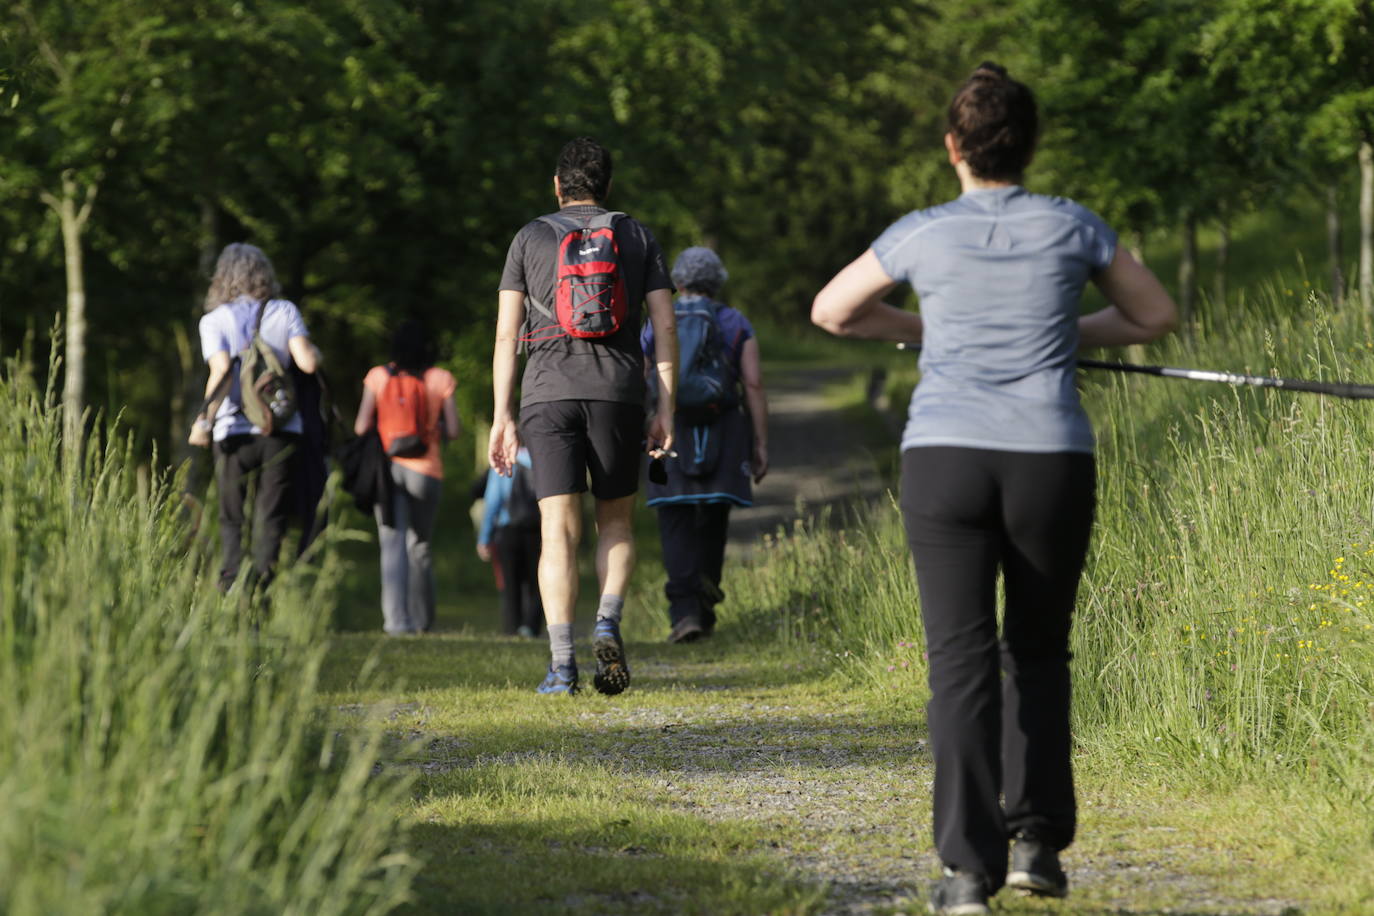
(994, 122)
(987, 68)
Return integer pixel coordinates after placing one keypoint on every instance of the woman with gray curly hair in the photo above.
(244, 295)
(721, 431)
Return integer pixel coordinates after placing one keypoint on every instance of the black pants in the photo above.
(693, 537)
(999, 710)
(264, 460)
(517, 550)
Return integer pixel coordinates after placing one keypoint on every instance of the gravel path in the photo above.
(842, 790)
(843, 796)
(815, 458)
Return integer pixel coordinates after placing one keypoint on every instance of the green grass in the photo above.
(541, 804)
(1224, 644)
(161, 755)
(1225, 774)
(162, 748)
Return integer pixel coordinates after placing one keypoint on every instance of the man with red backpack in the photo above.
(585, 274)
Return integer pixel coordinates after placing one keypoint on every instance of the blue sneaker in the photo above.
(562, 679)
(612, 673)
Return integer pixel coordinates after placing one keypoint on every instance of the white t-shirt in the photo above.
(228, 329)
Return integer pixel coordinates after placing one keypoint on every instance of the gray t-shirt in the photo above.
(1000, 273)
(560, 367)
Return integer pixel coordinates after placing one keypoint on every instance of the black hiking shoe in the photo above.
(959, 893)
(612, 673)
(1035, 868)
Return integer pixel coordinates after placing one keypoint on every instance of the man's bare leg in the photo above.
(615, 559)
(560, 524)
(615, 544)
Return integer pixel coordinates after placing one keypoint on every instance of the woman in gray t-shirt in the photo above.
(998, 473)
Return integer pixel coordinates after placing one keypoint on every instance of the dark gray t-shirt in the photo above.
(560, 367)
(1000, 273)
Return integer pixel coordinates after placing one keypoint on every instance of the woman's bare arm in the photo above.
(851, 304)
(1141, 309)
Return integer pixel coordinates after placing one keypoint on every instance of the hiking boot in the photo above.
(688, 629)
(612, 673)
(562, 679)
(959, 893)
(1035, 868)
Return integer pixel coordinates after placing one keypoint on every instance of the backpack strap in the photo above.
(210, 406)
(222, 389)
(562, 225)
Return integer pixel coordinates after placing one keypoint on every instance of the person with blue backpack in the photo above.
(721, 436)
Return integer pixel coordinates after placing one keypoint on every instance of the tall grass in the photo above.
(1225, 627)
(160, 751)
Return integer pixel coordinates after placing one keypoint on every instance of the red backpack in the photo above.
(402, 414)
(588, 288)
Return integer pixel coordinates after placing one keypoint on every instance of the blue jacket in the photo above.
(495, 508)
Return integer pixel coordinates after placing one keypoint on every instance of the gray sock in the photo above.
(610, 608)
(561, 643)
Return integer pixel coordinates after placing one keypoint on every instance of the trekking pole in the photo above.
(1333, 389)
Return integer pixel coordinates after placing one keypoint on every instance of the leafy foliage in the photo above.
(385, 152)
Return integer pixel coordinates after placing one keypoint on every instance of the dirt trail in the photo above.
(847, 791)
(841, 788)
(815, 458)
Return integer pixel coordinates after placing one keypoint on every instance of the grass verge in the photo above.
(162, 749)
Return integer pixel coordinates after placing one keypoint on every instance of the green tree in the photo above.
(88, 91)
(1133, 116)
(1305, 72)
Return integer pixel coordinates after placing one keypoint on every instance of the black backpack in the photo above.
(522, 510)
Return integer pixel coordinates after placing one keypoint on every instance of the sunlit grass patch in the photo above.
(162, 748)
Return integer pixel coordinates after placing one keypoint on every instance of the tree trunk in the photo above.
(1367, 222)
(186, 396)
(1223, 257)
(1334, 243)
(1137, 245)
(1187, 270)
(73, 216)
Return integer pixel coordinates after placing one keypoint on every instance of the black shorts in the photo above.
(568, 439)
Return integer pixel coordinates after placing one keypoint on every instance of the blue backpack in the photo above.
(707, 381)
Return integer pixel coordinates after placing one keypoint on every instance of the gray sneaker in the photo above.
(1035, 868)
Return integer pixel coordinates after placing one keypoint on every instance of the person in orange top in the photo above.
(407, 570)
